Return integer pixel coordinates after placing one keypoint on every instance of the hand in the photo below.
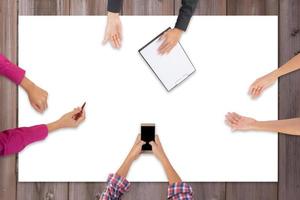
(170, 37)
(157, 149)
(68, 120)
(261, 84)
(238, 122)
(136, 149)
(37, 96)
(113, 31)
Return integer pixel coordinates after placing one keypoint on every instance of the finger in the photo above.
(164, 35)
(152, 143)
(157, 141)
(169, 49)
(162, 46)
(41, 106)
(138, 138)
(46, 104)
(118, 41)
(237, 115)
(166, 48)
(253, 91)
(256, 92)
(250, 89)
(115, 41)
(120, 34)
(106, 38)
(229, 118)
(36, 107)
(259, 90)
(228, 123)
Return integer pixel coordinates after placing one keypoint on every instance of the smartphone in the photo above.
(147, 135)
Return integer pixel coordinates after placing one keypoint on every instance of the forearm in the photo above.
(54, 126)
(123, 170)
(172, 175)
(290, 66)
(287, 126)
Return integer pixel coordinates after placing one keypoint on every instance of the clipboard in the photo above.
(171, 69)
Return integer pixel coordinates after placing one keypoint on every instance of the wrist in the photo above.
(112, 15)
(26, 84)
(54, 126)
(178, 31)
(254, 125)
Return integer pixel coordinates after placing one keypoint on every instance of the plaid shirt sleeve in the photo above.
(116, 187)
(180, 191)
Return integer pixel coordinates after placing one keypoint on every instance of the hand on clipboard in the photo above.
(170, 38)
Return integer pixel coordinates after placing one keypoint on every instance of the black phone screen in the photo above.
(147, 135)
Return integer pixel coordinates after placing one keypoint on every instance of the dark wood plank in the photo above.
(79, 191)
(206, 7)
(289, 98)
(44, 7)
(252, 7)
(37, 191)
(148, 7)
(88, 7)
(251, 191)
(8, 95)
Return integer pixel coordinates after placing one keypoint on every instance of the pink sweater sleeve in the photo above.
(10, 70)
(14, 140)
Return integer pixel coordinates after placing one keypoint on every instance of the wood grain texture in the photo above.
(206, 7)
(148, 7)
(252, 7)
(289, 98)
(44, 7)
(91, 191)
(8, 95)
(88, 7)
(251, 191)
(289, 101)
(41, 191)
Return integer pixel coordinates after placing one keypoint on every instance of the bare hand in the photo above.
(170, 39)
(37, 96)
(137, 148)
(157, 149)
(113, 31)
(261, 84)
(68, 120)
(238, 122)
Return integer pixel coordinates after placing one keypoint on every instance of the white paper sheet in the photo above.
(171, 68)
(65, 56)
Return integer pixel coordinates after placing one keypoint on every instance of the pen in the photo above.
(78, 115)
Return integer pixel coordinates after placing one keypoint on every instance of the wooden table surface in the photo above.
(288, 187)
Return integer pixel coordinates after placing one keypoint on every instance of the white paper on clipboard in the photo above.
(171, 69)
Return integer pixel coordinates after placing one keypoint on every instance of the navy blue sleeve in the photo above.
(114, 6)
(185, 14)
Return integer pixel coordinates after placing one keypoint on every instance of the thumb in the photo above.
(105, 40)
(152, 143)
